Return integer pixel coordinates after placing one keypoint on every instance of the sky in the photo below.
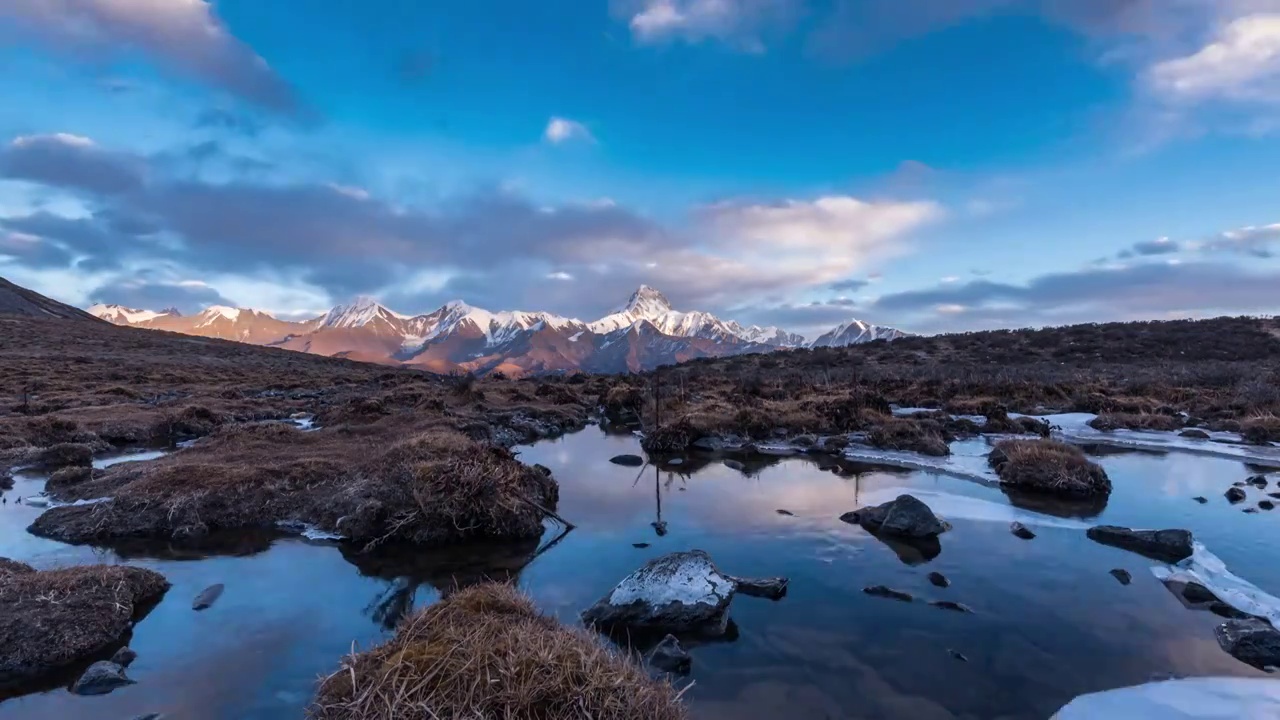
(935, 165)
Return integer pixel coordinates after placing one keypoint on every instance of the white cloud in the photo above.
(561, 130)
(559, 275)
(1241, 63)
(183, 35)
(951, 309)
(738, 22)
(67, 139)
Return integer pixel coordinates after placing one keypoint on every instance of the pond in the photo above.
(1049, 622)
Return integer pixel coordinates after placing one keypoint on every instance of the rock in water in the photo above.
(101, 678)
(1122, 575)
(124, 657)
(1022, 531)
(950, 605)
(787, 513)
(1253, 642)
(1266, 505)
(1258, 481)
(904, 517)
(1165, 545)
(887, 592)
(1196, 593)
(1200, 499)
(734, 465)
(627, 460)
(1234, 494)
(1194, 433)
(939, 580)
(207, 598)
(668, 656)
(771, 588)
(958, 655)
(679, 592)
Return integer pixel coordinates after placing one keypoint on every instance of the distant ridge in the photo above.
(17, 300)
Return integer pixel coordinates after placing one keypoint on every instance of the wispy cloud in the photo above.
(562, 130)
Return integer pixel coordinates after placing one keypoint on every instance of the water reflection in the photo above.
(1057, 506)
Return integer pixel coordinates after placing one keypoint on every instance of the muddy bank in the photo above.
(55, 622)
(537, 668)
(394, 480)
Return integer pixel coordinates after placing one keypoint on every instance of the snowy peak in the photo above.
(361, 311)
(121, 315)
(855, 332)
(647, 303)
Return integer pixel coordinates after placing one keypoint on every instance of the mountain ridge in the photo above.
(643, 333)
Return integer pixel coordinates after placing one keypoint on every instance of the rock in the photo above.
(1224, 610)
(1166, 545)
(788, 513)
(950, 605)
(1239, 483)
(668, 656)
(124, 657)
(1022, 531)
(710, 443)
(1250, 511)
(659, 527)
(101, 678)
(1122, 575)
(957, 655)
(678, 592)
(207, 598)
(1257, 481)
(771, 588)
(1266, 505)
(904, 517)
(627, 460)
(734, 465)
(1197, 593)
(640, 546)
(1275, 495)
(1194, 433)
(1253, 642)
(1234, 494)
(1200, 499)
(939, 580)
(885, 592)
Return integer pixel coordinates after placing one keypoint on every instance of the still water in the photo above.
(1049, 621)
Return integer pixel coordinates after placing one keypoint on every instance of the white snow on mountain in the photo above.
(358, 313)
(213, 313)
(855, 332)
(120, 313)
(649, 305)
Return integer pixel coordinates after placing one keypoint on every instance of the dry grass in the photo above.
(922, 436)
(1048, 466)
(486, 652)
(51, 621)
(1261, 429)
(1137, 421)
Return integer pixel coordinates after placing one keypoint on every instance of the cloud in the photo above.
(1250, 240)
(1159, 246)
(32, 251)
(738, 23)
(1241, 63)
(850, 285)
(142, 292)
(70, 161)
(229, 121)
(1094, 294)
(186, 36)
(561, 130)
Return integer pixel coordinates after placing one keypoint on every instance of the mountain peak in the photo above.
(647, 302)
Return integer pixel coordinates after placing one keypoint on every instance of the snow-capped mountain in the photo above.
(643, 333)
(856, 332)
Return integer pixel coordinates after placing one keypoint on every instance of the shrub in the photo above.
(1136, 421)
(1049, 466)
(922, 436)
(64, 454)
(486, 652)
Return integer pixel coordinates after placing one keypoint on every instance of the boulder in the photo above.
(679, 592)
(208, 597)
(1251, 641)
(101, 678)
(770, 588)
(1234, 495)
(904, 517)
(1200, 499)
(939, 580)
(1165, 545)
(887, 592)
(124, 657)
(1266, 505)
(1021, 531)
(668, 656)
(1195, 434)
(1257, 481)
(1194, 592)
(1122, 575)
(627, 460)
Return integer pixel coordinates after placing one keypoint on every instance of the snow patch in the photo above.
(698, 582)
(950, 506)
(967, 461)
(1204, 698)
(1074, 427)
(307, 530)
(574, 337)
(1209, 570)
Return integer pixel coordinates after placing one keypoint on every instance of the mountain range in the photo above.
(644, 333)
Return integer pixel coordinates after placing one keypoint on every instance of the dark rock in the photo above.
(939, 580)
(1257, 481)
(771, 588)
(668, 656)
(124, 657)
(1200, 499)
(911, 551)
(659, 527)
(1194, 433)
(1022, 531)
(1266, 505)
(905, 517)
(640, 546)
(1239, 484)
(627, 460)
(734, 465)
(1224, 610)
(678, 592)
(1165, 545)
(885, 592)
(1122, 575)
(1196, 593)
(1253, 642)
(950, 605)
(207, 598)
(101, 678)
(957, 655)
(1275, 495)
(788, 513)
(1250, 511)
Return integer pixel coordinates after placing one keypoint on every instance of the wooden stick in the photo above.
(547, 512)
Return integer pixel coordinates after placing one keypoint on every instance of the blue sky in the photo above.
(933, 164)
